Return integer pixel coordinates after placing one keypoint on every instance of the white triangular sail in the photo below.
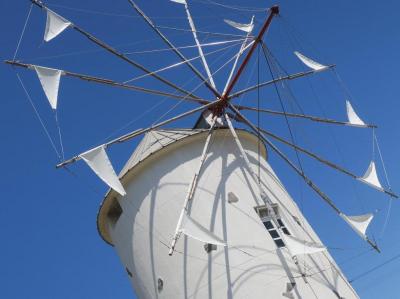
(50, 80)
(98, 161)
(289, 290)
(195, 230)
(55, 24)
(371, 178)
(300, 247)
(359, 223)
(352, 116)
(243, 27)
(310, 63)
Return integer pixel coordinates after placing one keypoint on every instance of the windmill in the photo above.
(238, 222)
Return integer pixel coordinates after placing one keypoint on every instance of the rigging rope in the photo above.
(178, 64)
(282, 106)
(186, 47)
(59, 134)
(208, 78)
(38, 116)
(239, 8)
(23, 32)
(374, 268)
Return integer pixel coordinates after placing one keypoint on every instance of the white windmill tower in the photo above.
(200, 213)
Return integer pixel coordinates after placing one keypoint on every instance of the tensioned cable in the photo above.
(38, 115)
(239, 8)
(375, 139)
(198, 86)
(283, 107)
(185, 47)
(178, 64)
(375, 268)
(59, 134)
(220, 68)
(204, 32)
(108, 14)
(23, 32)
(97, 50)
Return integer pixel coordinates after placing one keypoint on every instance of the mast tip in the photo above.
(275, 9)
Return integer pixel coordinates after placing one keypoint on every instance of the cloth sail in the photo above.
(243, 27)
(359, 223)
(98, 161)
(289, 290)
(371, 178)
(50, 80)
(55, 24)
(309, 62)
(352, 116)
(195, 230)
(301, 247)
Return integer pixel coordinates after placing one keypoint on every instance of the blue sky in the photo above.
(50, 246)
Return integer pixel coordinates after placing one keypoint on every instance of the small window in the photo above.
(274, 234)
(129, 272)
(297, 220)
(114, 212)
(268, 225)
(232, 198)
(279, 243)
(263, 212)
(160, 284)
(280, 222)
(210, 247)
(285, 231)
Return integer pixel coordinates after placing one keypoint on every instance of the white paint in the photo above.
(250, 266)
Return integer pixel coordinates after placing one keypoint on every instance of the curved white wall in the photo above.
(251, 266)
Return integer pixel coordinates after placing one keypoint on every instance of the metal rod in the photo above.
(120, 55)
(114, 83)
(192, 188)
(288, 77)
(173, 48)
(273, 11)
(300, 149)
(140, 131)
(295, 168)
(239, 55)
(310, 117)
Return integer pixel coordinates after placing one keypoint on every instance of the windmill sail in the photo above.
(352, 116)
(371, 178)
(50, 80)
(243, 27)
(301, 247)
(195, 230)
(99, 162)
(359, 223)
(55, 24)
(309, 62)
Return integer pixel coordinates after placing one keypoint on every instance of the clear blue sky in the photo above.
(50, 245)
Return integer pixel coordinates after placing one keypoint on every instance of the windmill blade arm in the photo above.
(288, 77)
(175, 49)
(115, 83)
(296, 115)
(138, 132)
(120, 55)
(314, 156)
(309, 182)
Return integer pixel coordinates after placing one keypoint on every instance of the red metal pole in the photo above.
(273, 11)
